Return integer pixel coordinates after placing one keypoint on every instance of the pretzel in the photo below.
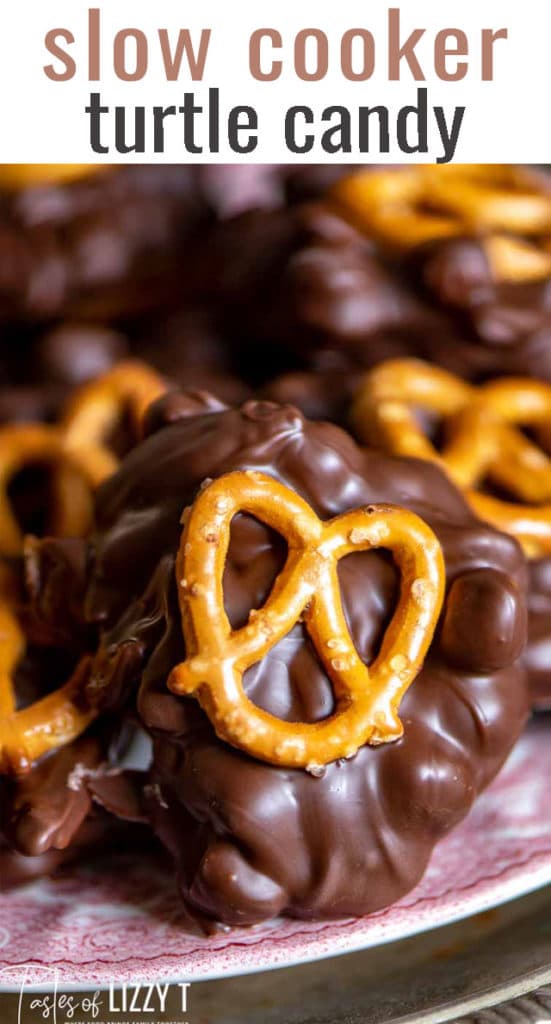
(508, 207)
(77, 446)
(52, 722)
(14, 176)
(49, 723)
(481, 443)
(306, 590)
(95, 408)
(12, 647)
(25, 444)
(530, 526)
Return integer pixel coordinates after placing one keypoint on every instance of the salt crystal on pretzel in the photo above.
(306, 590)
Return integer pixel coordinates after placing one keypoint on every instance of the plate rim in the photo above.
(498, 892)
(508, 873)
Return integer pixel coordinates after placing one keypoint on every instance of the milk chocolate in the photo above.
(251, 840)
(507, 326)
(61, 825)
(321, 297)
(108, 245)
(70, 804)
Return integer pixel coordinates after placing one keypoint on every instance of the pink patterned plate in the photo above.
(123, 922)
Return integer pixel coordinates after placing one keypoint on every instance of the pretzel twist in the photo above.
(14, 176)
(482, 440)
(508, 207)
(28, 733)
(60, 717)
(78, 451)
(77, 447)
(26, 444)
(307, 590)
(96, 407)
(12, 648)
(47, 724)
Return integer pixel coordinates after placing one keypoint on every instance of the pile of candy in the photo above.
(275, 491)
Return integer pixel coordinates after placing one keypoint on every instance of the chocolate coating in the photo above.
(52, 826)
(189, 350)
(55, 581)
(487, 601)
(321, 395)
(538, 651)
(38, 369)
(104, 246)
(251, 840)
(16, 868)
(313, 181)
(52, 815)
(507, 326)
(322, 297)
(43, 810)
(302, 277)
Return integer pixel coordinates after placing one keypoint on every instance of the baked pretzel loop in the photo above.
(87, 465)
(16, 176)
(530, 525)
(93, 412)
(521, 466)
(482, 439)
(306, 590)
(95, 408)
(12, 648)
(508, 207)
(50, 723)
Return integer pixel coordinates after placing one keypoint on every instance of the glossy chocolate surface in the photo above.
(251, 840)
(73, 803)
(538, 651)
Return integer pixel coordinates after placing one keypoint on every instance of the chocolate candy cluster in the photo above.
(154, 341)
